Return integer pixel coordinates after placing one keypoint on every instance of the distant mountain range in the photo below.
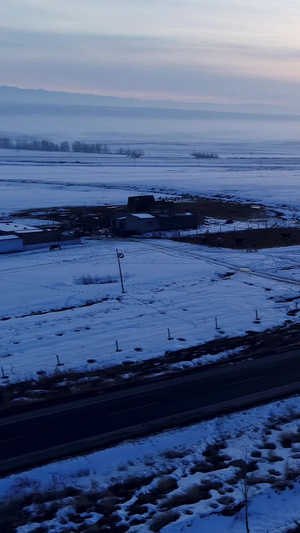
(61, 115)
(41, 97)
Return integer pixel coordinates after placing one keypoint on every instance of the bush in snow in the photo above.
(87, 279)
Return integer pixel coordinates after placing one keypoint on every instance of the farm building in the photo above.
(135, 223)
(139, 223)
(29, 237)
(177, 221)
(39, 237)
(140, 204)
(10, 227)
(10, 243)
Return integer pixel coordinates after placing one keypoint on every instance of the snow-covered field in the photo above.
(260, 172)
(168, 285)
(49, 310)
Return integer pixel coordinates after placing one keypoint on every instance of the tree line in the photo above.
(205, 155)
(65, 146)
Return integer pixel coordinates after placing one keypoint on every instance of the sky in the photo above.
(218, 51)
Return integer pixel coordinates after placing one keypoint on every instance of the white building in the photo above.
(10, 243)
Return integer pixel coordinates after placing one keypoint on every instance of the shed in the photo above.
(10, 243)
(30, 235)
(141, 222)
(134, 223)
(8, 226)
(177, 221)
(36, 237)
(140, 204)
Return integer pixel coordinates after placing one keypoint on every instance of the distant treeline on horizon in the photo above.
(65, 146)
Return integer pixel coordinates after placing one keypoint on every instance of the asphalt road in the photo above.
(106, 417)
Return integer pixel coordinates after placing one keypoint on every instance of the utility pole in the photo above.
(120, 256)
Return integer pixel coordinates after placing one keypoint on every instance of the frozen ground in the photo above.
(69, 303)
(257, 172)
(182, 479)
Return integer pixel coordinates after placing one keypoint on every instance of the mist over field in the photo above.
(57, 115)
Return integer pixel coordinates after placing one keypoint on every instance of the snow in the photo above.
(168, 285)
(142, 215)
(252, 172)
(8, 237)
(49, 310)
(10, 226)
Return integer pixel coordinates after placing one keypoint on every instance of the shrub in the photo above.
(166, 484)
(176, 453)
(245, 467)
(107, 506)
(201, 466)
(225, 500)
(193, 494)
(290, 473)
(287, 438)
(274, 472)
(86, 501)
(256, 453)
(163, 519)
(47, 512)
(87, 279)
(214, 455)
(273, 458)
(268, 445)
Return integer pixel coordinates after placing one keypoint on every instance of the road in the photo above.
(55, 432)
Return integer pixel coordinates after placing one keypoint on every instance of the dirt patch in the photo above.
(60, 310)
(250, 239)
(81, 221)
(89, 220)
(223, 208)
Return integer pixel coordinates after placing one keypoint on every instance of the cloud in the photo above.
(229, 49)
(215, 56)
(96, 64)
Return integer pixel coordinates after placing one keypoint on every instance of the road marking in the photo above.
(243, 381)
(8, 440)
(131, 409)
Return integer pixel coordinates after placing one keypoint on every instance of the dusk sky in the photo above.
(223, 51)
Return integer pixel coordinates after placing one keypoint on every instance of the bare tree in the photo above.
(245, 490)
(248, 471)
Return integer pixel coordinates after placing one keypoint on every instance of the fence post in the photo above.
(117, 347)
(58, 361)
